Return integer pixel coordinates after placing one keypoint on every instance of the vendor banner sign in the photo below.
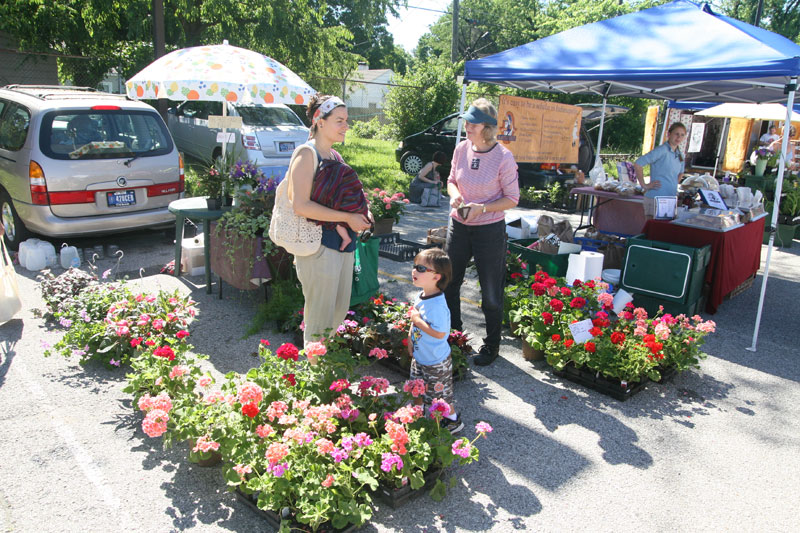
(539, 131)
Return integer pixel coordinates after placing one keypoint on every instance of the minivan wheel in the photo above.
(411, 163)
(15, 231)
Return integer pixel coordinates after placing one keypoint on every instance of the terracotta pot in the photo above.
(513, 327)
(383, 226)
(530, 353)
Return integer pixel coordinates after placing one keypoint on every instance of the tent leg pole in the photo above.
(787, 124)
(722, 137)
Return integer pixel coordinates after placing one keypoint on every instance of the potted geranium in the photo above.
(386, 209)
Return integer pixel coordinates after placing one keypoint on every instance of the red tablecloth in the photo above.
(735, 254)
(615, 213)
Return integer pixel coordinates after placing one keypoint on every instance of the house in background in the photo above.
(24, 68)
(365, 91)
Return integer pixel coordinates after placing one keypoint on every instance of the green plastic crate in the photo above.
(555, 265)
(663, 270)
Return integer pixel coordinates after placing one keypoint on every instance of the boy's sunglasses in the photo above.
(422, 269)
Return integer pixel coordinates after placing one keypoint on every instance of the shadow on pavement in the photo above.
(11, 333)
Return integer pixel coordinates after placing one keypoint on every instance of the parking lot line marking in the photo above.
(87, 464)
(406, 280)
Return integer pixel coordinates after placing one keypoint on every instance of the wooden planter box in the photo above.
(247, 262)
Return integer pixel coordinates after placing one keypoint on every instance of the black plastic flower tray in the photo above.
(397, 249)
(274, 519)
(610, 387)
(395, 498)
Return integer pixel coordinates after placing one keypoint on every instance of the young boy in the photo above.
(430, 326)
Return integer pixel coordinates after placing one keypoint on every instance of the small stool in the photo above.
(194, 209)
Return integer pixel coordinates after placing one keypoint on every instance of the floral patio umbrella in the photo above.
(219, 72)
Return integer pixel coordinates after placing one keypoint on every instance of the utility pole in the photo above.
(159, 46)
(759, 10)
(454, 45)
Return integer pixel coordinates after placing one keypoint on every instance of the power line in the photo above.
(427, 9)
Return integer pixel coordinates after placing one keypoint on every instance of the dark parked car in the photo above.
(417, 149)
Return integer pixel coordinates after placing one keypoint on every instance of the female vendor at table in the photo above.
(666, 169)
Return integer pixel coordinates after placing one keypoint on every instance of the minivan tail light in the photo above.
(182, 177)
(250, 142)
(106, 108)
(37, 183)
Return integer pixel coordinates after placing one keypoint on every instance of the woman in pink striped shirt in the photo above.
(482, 185)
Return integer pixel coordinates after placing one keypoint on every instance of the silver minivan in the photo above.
(269, 133)
(76, 162)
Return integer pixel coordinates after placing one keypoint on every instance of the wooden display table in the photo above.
(614, 213)
(735, 254)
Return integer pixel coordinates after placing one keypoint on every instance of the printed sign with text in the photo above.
(537, 131)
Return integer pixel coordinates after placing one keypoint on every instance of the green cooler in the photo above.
(662, 273)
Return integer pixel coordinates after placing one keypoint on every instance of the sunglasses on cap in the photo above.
(422, 269)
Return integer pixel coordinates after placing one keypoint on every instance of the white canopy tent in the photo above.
(676, 51)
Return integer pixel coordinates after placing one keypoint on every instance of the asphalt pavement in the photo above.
(716, 449)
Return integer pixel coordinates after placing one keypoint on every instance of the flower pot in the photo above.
(513, 327)
(211, 458)
(530, 353)
(383, 226)
(395, 498)
(761, 166)
(214, 204)
(274, 519)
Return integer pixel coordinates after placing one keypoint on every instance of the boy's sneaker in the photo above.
(453, 426)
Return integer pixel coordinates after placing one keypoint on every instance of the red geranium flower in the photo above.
(405, 341)
(550, 282)
(136, 341)
(516, 275)
(250, 409)
(556, 337)
(182, 333)
(290, 378)
(288, 351)
(540, 276)
(590, 347)
(596, 332)
(538, 288)
(547, 317)
(577, 283)
(577, 302)
(166, 352)
(565, 291)
(557, 305)
(569, 342)
(590, 284)
(617, 337)
(265, 342)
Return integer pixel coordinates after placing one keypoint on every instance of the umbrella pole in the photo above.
(776, 206)
(224, 130)
(597, 160)
(722, 139)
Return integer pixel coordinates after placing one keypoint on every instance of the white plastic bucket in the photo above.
(50, 256)
(611, 275)
(36, 258)
(69, 256)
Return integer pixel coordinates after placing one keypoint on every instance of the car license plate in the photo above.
(121, 198)
(286, 147)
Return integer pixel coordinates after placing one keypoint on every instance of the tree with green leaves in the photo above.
(425, 94)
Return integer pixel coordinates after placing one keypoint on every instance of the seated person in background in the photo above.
(427, 178)
(769, 137)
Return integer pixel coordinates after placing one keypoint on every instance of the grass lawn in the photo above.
(372, 159)
(375, 163)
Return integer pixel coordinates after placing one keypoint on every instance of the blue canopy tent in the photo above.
(677, 51)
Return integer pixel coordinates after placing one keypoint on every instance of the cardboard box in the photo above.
(514, 227)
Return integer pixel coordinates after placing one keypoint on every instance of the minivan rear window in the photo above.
(103, 134)
(268, 116)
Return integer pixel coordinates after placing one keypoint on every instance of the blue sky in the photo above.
(414, 23)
